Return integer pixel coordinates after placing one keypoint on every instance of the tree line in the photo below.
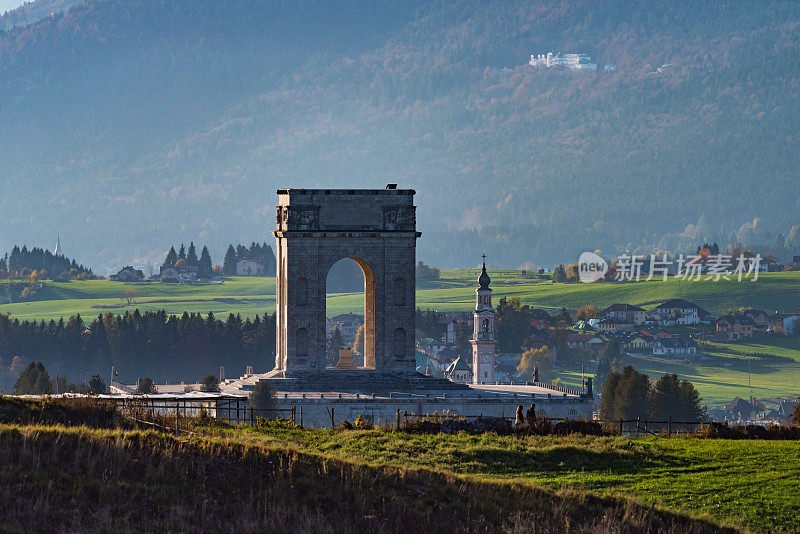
(629, 394)
(261, 253)
(155, 344)
(38, 263)
(184, 258)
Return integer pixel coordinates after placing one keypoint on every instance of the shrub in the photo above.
(263, 396)
(146, 386)
(97, 385)
(210, 384)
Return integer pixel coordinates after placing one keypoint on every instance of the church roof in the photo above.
(458, 365)
(483, 279)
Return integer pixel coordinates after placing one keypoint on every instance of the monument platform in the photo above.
(362, 381)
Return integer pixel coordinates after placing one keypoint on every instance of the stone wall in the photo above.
(317, 407)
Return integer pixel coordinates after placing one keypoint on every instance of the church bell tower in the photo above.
(483, 342)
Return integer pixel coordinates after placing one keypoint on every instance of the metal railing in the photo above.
(236, 410)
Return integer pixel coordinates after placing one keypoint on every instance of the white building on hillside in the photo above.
(568, 61)
(249, 268)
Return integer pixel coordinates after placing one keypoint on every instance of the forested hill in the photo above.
(31, 12)
(131, 124)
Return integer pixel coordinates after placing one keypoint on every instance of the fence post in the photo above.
(620, 427)
(637, 427)
(333, 423)
(645, 426)
(301, 416)
(405, 419)
(252, 418)
(669, 426)
(177, 417)
(294, 415)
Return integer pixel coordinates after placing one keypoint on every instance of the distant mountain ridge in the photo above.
(31, 12)
(132, 124)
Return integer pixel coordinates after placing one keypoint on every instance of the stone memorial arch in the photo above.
(315, 229)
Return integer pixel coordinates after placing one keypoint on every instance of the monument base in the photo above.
(363, 381)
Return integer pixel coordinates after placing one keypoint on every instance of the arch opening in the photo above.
(350, 315)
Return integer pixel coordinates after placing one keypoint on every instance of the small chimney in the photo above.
(391, 186)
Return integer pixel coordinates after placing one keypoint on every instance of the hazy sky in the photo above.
(5, 5)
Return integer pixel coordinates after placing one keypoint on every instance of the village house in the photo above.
(128, 274)
(759, 317)
(733, 327)
(249, 268)
(459, 372)
(589, 341)
(447, 328)
(613, 324)
(674, 347)
(783, 323)
(540, 319)
(639, 343)
(627, 313)
(677, 312)
(442, 359)
(653, 333)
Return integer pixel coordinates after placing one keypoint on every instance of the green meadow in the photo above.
(455, 291)
(718, 380)
(749, 484)
(272, 476)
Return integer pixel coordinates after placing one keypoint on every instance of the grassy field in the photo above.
(726, 375)
(709, 478)
(455, 291)
(81, 479)
(276, 477)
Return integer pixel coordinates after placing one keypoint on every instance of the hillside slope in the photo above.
(31, 12)
(149, 481)
(162, 122)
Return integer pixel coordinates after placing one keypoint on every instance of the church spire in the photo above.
(483, 279)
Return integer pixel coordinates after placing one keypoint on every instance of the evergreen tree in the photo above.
(625, 395)
(97, 385)
(171, 258)
(182, 253)
(513, 324)
(559, 274)
(269, 260)
(335, 342)
(229, 263)
(14, 261)
(675, 398)
(146, 386)
(191, 255)
(205, 263)
(34, 380)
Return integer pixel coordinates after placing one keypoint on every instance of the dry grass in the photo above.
(79, 479)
